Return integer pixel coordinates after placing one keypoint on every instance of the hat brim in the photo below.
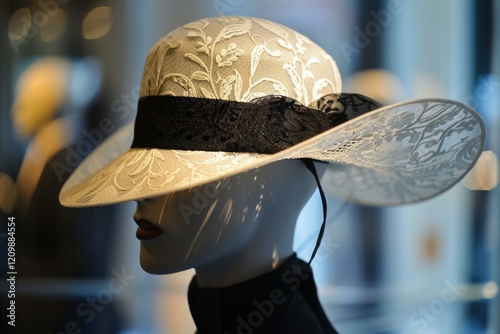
(397, 154)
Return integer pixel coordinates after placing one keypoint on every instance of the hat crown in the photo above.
(239, 58)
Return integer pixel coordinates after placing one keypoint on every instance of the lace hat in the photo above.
(221, 96)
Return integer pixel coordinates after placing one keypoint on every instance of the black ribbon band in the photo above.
(264, 125)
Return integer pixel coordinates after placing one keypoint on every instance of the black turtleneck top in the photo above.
(284, 300)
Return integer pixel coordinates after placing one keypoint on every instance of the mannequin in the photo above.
(232, 112)
(239, 229)
(57, 97)
(244, 227)
(38, 114)
(50, 106)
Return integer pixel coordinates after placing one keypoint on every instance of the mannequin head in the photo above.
(246, 227)
(41, 91)
(242, 225)
(228, 230)
(53, 87)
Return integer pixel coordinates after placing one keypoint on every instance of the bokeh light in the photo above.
(484, 175)
(20, 23)
(54, 27)
(97, 23)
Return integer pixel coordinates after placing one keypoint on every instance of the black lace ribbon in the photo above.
(264, 125)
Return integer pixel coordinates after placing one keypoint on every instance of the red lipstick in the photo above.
(147, 230)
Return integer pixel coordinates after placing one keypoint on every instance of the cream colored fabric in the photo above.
(396, 154)
(239, 58)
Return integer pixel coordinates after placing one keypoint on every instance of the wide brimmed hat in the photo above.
(221, 96)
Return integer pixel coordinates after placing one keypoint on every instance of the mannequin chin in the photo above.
(230, 230)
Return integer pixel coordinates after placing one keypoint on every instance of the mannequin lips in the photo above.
(147, 230)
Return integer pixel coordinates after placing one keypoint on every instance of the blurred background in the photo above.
(69, 77)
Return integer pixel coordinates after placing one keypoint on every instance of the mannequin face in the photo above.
(210, 222)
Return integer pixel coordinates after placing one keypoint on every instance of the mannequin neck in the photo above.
(272, 230)
(263, 254)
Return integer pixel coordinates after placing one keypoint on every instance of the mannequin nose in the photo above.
(143, 204)
(149, 201)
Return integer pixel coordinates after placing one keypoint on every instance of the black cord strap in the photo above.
(310, 165)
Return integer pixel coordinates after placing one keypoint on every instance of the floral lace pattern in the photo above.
(239, 59)
(405, 153)
(396, 154)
